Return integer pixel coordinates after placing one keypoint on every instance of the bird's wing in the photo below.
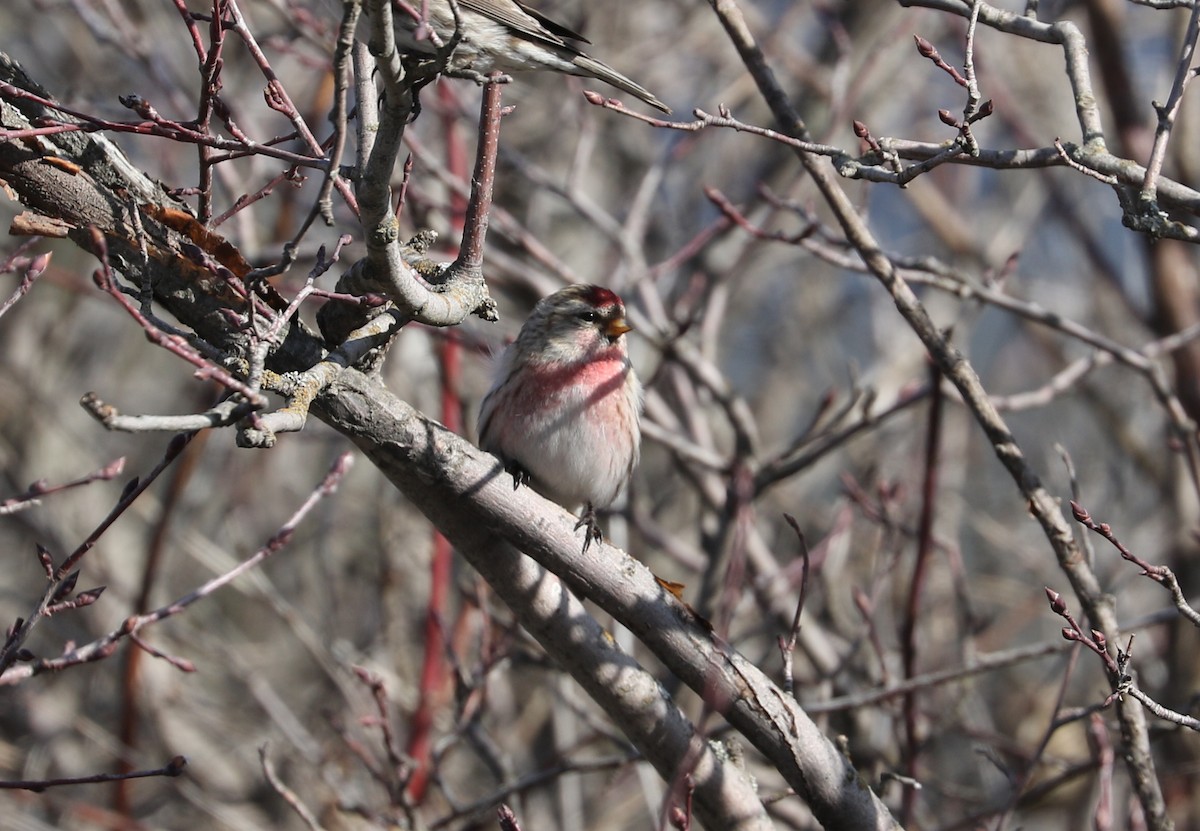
(525, 21)
(553, 25)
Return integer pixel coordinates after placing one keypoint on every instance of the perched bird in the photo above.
(564, 408)
(508, 36)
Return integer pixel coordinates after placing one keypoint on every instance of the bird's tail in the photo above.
(590, 67)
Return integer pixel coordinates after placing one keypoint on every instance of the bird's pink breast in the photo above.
(590, 381)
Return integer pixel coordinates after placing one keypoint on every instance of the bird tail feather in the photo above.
(590, 67)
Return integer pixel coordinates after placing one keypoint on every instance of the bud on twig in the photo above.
(1057, 604)
(66, 587)
(47, 561)
(176, 766)
(88, 597)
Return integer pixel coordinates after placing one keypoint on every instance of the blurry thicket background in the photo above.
(781, 380)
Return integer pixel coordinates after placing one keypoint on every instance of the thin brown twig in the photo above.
(1167, 112)
(104, 646)
(33, 268)
(1159, 574)
(1026, 774)
(175, 767)
(287, 794)
(34, 493)
(788, 645)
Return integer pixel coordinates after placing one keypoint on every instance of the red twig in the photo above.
(912, 613)
(508, 820)
(1102, 817)
(435, 676)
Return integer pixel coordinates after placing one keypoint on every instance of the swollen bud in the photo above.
(176, 766)
(1057, 604)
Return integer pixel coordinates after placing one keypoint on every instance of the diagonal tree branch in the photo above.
(1044, 506)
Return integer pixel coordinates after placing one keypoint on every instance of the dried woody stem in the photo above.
(61, 579)
(104, 646)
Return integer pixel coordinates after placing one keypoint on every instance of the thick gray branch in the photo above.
(469, 497)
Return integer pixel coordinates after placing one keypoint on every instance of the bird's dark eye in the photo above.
(590, 317)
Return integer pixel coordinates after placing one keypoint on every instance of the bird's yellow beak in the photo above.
(616, 328)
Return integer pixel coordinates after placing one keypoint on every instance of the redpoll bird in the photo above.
(564, 408)
(508, 36)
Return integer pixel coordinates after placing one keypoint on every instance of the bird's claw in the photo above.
(588, 520)
(478, 77)
(519, 474)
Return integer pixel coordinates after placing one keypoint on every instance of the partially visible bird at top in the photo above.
(507, 36)
(564, 409)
